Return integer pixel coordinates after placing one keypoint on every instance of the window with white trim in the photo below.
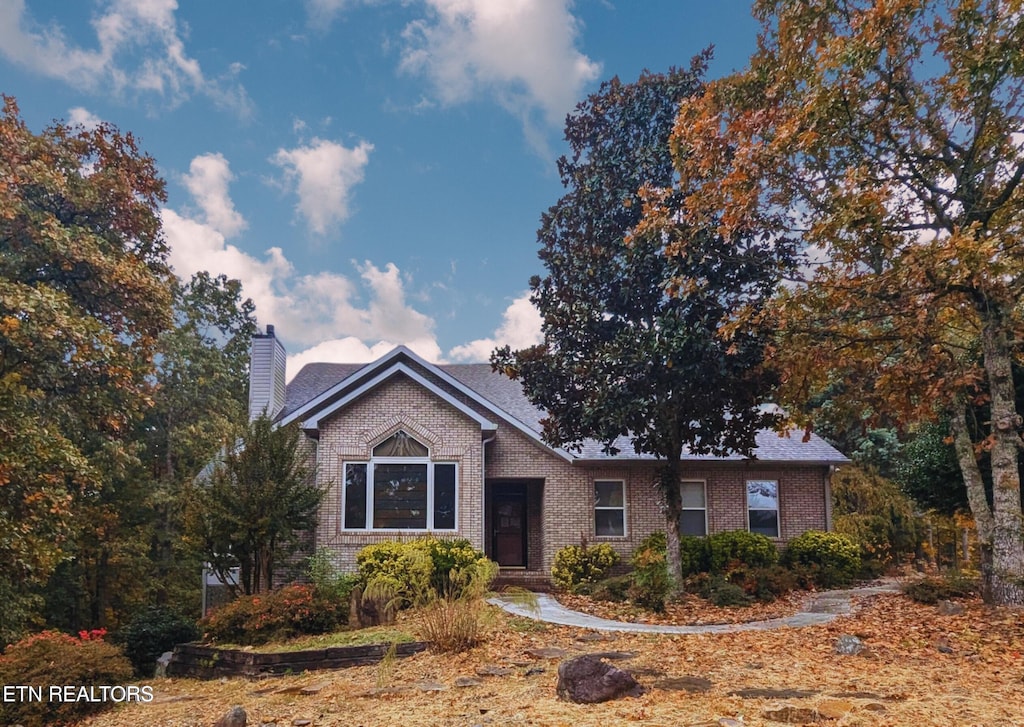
(693, 520)
(609, 508)
(763, 507)
(399, 488)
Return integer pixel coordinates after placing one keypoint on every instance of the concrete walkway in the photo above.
(819, 608)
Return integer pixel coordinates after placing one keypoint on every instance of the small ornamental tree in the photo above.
(651, 336)
(255, 505)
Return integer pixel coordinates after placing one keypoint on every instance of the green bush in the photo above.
(150, 633)
(402, 569)
(830, 558)
(55, 659)
(724, 594)
(933, 590)
(695, 554)
(765, 584)
(735, 549)
(328, 582)
(578, 564)
(282, 614)
(651, 581)
(409, 569)
(614, 589)
(453, 556)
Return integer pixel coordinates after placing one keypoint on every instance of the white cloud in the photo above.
(325, 316)
(207, 181)
(139, 49)
(520, 327)
(324, 172)
(80, 116)
(522, 52)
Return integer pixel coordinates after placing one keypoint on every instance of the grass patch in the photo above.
(354, 637)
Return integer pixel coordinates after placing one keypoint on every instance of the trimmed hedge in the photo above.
(828, 559)
(735, 549)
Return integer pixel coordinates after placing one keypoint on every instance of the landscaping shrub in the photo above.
(724, 594)
(408, 569)
(55, 659)
(329, 583)
(451, 556)
(150, 633)
(695, 554)
(734, 549)
(282, 614)
(765, 584)
(651, 581)
(614, 589)
(404, 570)
(578, 564)
(831, 559)
(453, 620)
(933, 590)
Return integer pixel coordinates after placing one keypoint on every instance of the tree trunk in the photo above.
(1007, 531)
(668, 483)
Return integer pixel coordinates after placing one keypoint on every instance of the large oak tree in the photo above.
(889, 137)
(84, 298)
(649, 340)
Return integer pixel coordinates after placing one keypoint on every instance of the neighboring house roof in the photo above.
(322, 385)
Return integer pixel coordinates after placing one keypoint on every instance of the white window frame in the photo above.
(625, 526)
(778, 504)
(704, 484)
(370, 467)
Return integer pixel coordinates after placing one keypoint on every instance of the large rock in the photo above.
(235, 717)
(587, 680)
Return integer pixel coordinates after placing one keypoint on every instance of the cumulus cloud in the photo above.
(139, 49)
(207, 181)
(324, 316)
(323, 174)
(522, 53)
(80, 116)
(520, 327)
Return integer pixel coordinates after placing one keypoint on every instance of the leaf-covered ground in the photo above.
(919, 668)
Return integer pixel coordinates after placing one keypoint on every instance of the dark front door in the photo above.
(508, 529)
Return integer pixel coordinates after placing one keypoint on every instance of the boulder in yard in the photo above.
(588, 680)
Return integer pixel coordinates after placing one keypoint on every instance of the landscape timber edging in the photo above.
(209, 662)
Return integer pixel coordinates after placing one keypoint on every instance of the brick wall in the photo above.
(564, 491)
(351, 434)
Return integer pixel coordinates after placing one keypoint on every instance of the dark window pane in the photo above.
(400, 496)
(608, 493)
(400, 444)
(765, 522)
(355, 496)
(609, 522)
(444, 496)
(691, 522)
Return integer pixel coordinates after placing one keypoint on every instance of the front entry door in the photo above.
(508, 523)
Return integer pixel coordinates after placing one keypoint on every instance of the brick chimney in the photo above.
(266, 375)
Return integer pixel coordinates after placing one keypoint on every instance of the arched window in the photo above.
(400, 488)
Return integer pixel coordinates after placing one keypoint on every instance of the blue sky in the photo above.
(373, 171)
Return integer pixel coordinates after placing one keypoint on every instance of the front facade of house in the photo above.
(404, 447)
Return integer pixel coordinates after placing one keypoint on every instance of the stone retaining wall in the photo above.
(207, 662)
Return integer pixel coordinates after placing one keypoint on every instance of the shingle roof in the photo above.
(509, 401)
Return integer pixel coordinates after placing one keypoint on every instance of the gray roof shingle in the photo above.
(508, 400)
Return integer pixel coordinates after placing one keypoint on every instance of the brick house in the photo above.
(404, 447)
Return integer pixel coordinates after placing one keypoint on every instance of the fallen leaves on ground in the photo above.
(901, 678)
(689, 610)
